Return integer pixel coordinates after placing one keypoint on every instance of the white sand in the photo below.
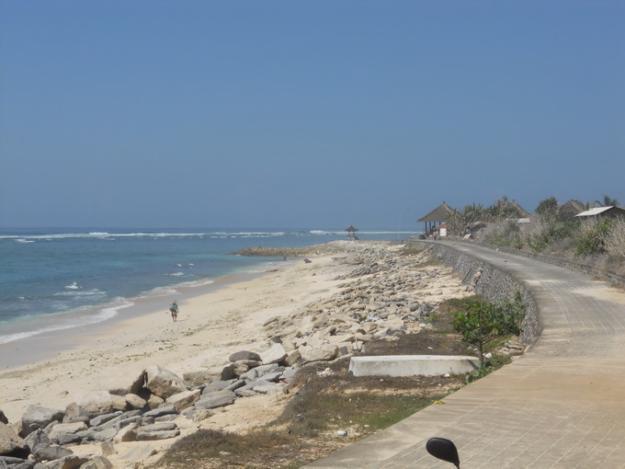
(210, 327)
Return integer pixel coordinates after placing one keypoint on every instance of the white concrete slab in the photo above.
(413, 365)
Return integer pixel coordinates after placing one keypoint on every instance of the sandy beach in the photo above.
(293, 300)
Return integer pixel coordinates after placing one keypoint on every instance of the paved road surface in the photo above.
(561, 405)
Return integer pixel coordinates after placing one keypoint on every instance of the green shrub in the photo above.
(481, 321)
(592, 236)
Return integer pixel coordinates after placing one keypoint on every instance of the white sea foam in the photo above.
(24, 241)
(72, 286)
(105, 235)
(176, 274)
(65, 323)
(81, 293)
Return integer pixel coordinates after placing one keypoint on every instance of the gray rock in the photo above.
(68, 462)
(197, 378)
(99, 462)
(65, 428)
(135, 402)
(36, 439)
(75, 413)
(52, 452)
(162, 382)
(166, 418)
(244, 355)
(69, 438)
(38, 417)
(274, 354)
(15, 463)
(128, 433)
(289, 374)
(101, 419)
(183, 399)
(292, 358)
(267, 388)
(98, 402)
(164, 435)
(229, 372)
(219, 385)
(3, 418)
(216, 399)
(102, 435)
(261, 370)
(325, 352)
(10, 442)
(273, 376)
(163, 410)
(157, 427)
(154, 401)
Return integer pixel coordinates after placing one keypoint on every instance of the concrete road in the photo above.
(561, 405)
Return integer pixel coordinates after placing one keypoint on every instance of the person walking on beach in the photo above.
(173, 309)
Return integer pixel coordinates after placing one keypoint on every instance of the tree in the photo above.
(547, 207)
(608, 201)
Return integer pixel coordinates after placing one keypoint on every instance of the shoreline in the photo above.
(45, 344)
(219, 320)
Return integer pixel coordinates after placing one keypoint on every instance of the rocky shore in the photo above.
(382, 292)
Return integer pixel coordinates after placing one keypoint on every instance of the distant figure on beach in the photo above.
(173, 309)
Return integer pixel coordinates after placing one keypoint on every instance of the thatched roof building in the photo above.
(442, 213)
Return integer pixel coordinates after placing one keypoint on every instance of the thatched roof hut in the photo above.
(440, 214)
(570, 209)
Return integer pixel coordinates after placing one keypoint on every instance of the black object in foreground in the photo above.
(444, 449)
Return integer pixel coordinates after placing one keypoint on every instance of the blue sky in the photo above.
(304, 114)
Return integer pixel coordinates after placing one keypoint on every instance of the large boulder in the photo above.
(244, 355)
(183, 399)
(134, 401)
(39, 417)
(38, 438)
(65, 428)
(15, 463)
(216, 399)
(97, 402)
(324, 352)
(162, 382)
(75, 413)
(274, 354)
(10, 443)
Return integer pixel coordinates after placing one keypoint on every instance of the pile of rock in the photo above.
(147, 410)
(384, 294)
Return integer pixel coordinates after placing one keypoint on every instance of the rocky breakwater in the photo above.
(148, 409)
(385, 293)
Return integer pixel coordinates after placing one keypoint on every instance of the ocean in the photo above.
(53, 280)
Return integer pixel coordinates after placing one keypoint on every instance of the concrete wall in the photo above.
(494, 284)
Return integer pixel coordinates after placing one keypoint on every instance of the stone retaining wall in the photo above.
(494, 284)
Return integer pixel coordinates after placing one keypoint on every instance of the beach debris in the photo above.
(341, 433)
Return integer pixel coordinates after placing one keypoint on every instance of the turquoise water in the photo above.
(59, 279)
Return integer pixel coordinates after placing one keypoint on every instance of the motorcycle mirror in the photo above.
(444, 449)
